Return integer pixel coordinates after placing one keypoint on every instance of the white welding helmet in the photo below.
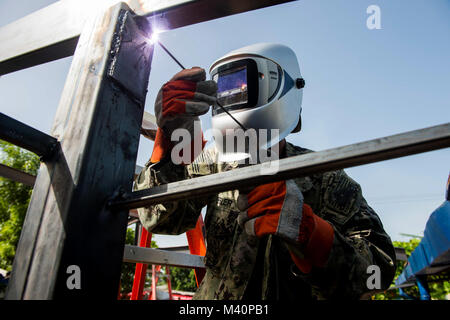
(261, 87)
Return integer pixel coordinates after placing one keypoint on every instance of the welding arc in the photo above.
(182, 67)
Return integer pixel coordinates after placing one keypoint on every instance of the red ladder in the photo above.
(196, 242)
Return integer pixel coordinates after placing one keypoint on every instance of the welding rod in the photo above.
(168, 52)
(182, 67)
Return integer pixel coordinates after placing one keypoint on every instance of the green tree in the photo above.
(438, 289)
(14, 199)
(183, 279)
(127, 274)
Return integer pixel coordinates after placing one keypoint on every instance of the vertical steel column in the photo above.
(72, 245)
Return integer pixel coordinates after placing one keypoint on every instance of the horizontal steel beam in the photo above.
(52, 33)
(26, 137)
(149, 126)
(400, 254)
(17, 175)
(45, 35)
(182, 249)
(136, 254)
(386, 148)
(29, 179)
(137, 170)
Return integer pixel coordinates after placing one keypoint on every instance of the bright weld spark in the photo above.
(154, 38)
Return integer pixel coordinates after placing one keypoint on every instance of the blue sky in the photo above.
(361, 84)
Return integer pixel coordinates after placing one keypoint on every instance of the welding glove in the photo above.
(278, 209)
(178, 105)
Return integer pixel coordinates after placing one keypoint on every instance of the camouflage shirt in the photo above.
(239, 266)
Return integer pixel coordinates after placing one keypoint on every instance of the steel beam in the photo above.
(149, 126)
(17, 175)
(400, 254)
(98, 125)
(26, 137)
(136, 254)
(45, 35)
(53, 32)
(386, 148)
(29, 179)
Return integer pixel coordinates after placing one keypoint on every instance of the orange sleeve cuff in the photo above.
(318, 248)
(163, 146)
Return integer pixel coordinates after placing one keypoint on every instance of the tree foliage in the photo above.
(183, 279)
(14, 199)
(438, 289)
(127, 275)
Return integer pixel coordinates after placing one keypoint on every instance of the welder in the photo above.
(312, 237)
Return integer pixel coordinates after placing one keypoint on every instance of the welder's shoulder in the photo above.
(332, 194)
(305, 184)
(341, 196)
(293, 150)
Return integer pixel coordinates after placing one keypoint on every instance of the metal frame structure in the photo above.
(96, 129)
(82, 195)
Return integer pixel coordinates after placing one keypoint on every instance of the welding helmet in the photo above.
(261, 87)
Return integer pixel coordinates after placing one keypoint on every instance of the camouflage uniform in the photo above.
(243, 267)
